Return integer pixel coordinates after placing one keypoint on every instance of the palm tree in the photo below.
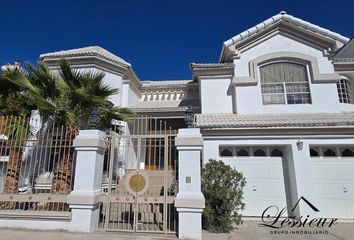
(14, 103)
(67, 97)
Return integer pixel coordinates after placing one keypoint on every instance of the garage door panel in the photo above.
(329, 170)
(342, 209)
(323, 188)
(349, 191)
(265, 182)
(261, 170)
(334, 186)
(348, 171)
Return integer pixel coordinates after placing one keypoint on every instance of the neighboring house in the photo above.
(278, 107)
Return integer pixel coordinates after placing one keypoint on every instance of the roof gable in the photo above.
(92, 51)
(289, 25)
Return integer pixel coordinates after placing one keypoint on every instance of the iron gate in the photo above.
(140, 184)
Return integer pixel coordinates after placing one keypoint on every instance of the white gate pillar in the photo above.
(190, 201)
(83, 200)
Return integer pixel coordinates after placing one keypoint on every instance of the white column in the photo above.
(300, 178)
(83, 200)
(190, 201)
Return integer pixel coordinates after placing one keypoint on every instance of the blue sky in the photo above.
(159, 38)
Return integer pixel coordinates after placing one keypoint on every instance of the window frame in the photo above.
(285, 93)
(345, 94)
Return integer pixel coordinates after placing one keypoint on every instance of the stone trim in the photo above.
(344, 66)
(279, 133)
(188, 141)
(189, 203)
(35, 215)
(82, 142)
(76, 198)
(253, 77)
(189, 210)
(212, 71)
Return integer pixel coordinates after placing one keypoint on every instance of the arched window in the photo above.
(276, 153)
(329, 153)
(347, 153)
(285, 83)
(344, 91)
(313, 153)
(259, 153)
(226, 153)
(242, 153)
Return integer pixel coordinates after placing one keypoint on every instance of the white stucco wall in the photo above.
(134, 96)
(216, 95)
(125, 94)
(249, 98)
(129, 96)
(115, 81)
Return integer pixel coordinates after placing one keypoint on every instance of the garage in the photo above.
(263, 169)
(333, 176)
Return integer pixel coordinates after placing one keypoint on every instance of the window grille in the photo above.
(344, 91)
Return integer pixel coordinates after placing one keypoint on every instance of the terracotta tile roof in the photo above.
(86, 51)
(229, 120)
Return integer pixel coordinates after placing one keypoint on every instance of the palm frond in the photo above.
(21, 79)
(48, 82)
(69, 75)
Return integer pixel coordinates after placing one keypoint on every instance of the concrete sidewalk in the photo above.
(251, 231)
(248, 231)
(21, 234)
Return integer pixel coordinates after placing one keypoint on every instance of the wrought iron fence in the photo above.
(36, 165)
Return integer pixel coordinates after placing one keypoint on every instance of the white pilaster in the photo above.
(190, 201)
(300, 178)
(83, 200)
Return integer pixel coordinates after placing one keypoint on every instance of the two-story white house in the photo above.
(278, 106)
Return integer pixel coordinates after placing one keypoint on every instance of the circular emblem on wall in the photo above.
(137, 182)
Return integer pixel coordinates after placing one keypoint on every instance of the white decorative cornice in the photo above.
(162, 96)
(212, 70)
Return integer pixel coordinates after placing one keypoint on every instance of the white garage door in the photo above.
(265, 180)
(333, 182)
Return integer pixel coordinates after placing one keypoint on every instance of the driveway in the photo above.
(248, 231)
(251, 231)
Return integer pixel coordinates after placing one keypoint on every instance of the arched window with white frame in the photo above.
(344, 91)
(285, 83)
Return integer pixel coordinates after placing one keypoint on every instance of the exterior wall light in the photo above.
(189, 117)
(299, 145)
(94, 118)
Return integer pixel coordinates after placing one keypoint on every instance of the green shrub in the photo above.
(222, 187)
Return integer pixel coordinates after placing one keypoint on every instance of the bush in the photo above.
(222, 187)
